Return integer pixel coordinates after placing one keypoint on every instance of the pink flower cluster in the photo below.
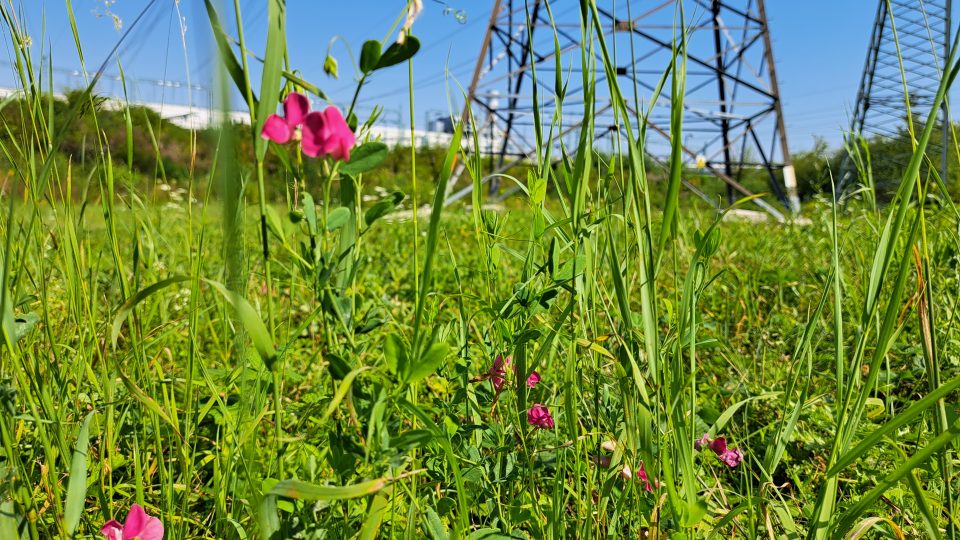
(498, 373)
(538, 415)
(626, 473)
(138, 525)
(731, 456)
(320, 133)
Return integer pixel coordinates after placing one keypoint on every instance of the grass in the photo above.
(311, 368)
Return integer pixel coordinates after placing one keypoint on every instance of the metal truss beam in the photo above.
(901, 67)
(733, 119)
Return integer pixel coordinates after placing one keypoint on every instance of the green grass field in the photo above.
(260, 348)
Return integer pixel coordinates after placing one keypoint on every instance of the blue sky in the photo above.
(819, 45)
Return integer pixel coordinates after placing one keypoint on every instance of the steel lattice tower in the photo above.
(923, 36)
(732, 113)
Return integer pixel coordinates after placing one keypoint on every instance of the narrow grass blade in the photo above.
(342, 392)
(149, 402)
(74, 505)
(272, 67)
(251, 322)
(914, 411)
(866, 526)
(371, 526)
(298, 489)
(124, 311)
(937, 444)
(433, 231)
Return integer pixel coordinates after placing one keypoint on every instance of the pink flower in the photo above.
(702, 441)
(137, 526)
(327, 134)
(498, 372)
(642, 475)
(539, 416)
(533, 379)
(731, 456)
(281, 129)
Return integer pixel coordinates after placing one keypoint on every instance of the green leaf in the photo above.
(266, 485)
(342, 392)
(272, 67)
(434, 526)
(399, 52)
(395, 354)
(429, 362)
(23, 324)
(9, 521)
(717, 528)
(538, 187)
(374, 517)
(7, 319)
(305, 84)
(453, 459)
(693, 512)
(274, 223)
(416, 438)
(875, 408)
(338, 218)
(149, 402)
(565, 273)
(671, 204)
(267, 517)
(370, 56)
(298, 489)
(74, 505)
(365, 158)
(488, 533)
(722, 420)
(382, 207)
(251, 322)
(310, 213)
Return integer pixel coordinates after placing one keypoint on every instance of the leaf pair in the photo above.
(371, 58)
(409, 370)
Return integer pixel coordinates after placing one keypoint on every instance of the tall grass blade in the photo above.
(74, 505)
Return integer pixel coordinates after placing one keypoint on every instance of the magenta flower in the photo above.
(731, 456)
(498, 372)
(138, 525)
(642, 475)
(539, 416)
(533, 379)
(327, 134)
(282, 129)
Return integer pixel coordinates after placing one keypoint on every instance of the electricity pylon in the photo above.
(733, 121)
(908, 47)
